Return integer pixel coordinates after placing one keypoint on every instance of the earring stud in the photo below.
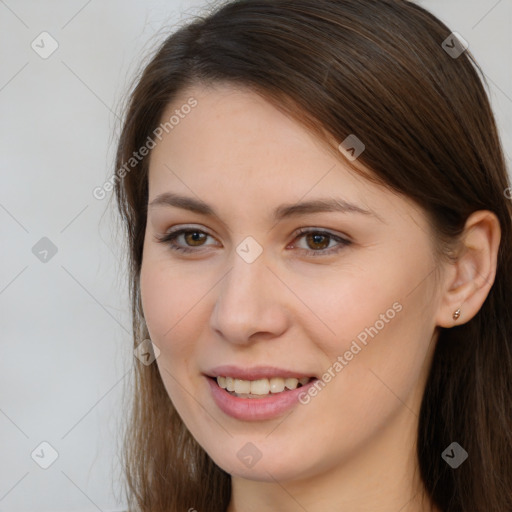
(456, 314)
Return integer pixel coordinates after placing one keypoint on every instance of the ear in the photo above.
(468, 280)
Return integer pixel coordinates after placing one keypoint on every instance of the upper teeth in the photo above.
(260, 386)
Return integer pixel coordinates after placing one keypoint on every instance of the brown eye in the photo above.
(184, 240)
(320, 243)
(317, 241)
(194, 238)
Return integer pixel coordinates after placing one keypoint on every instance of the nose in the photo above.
(250, 303)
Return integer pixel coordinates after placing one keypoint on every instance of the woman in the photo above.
(315, 199)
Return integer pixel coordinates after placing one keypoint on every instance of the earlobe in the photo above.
(472, 274)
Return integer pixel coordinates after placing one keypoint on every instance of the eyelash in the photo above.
(169, 239)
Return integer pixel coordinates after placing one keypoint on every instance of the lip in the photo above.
(254, 373)
(255, 409)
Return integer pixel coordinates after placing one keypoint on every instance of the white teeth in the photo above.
(260, 387)
(291, 383)
(230, 384)
(242, 386)
(277, 385)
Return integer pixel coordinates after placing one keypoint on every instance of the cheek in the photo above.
(166, 300)
(171, 305)
(374, 320)
(156, 300)
(341, 305)
(384, 363)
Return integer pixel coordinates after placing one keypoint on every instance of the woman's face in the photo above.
(350, 302)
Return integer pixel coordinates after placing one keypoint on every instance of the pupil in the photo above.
(318, 239)
(195, 237)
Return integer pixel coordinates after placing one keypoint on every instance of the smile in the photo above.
(259, 399)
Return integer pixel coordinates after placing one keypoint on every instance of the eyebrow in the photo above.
(281, 212)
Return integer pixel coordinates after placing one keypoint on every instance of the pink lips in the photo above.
(254, 409)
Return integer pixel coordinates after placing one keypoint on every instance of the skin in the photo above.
(352, 447)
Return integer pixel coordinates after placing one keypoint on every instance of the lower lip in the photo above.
(254, 409)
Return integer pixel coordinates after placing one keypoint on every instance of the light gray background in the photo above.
(65, 353)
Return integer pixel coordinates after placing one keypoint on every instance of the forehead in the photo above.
(238, 126)
(237, 149)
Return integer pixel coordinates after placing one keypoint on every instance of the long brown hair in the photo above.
(377, 69)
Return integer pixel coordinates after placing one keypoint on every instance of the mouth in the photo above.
(257, 393)
(260, 388)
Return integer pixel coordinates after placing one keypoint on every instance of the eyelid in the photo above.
(316, 229)
(186, 227)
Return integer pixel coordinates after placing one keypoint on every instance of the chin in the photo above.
(268, 468)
